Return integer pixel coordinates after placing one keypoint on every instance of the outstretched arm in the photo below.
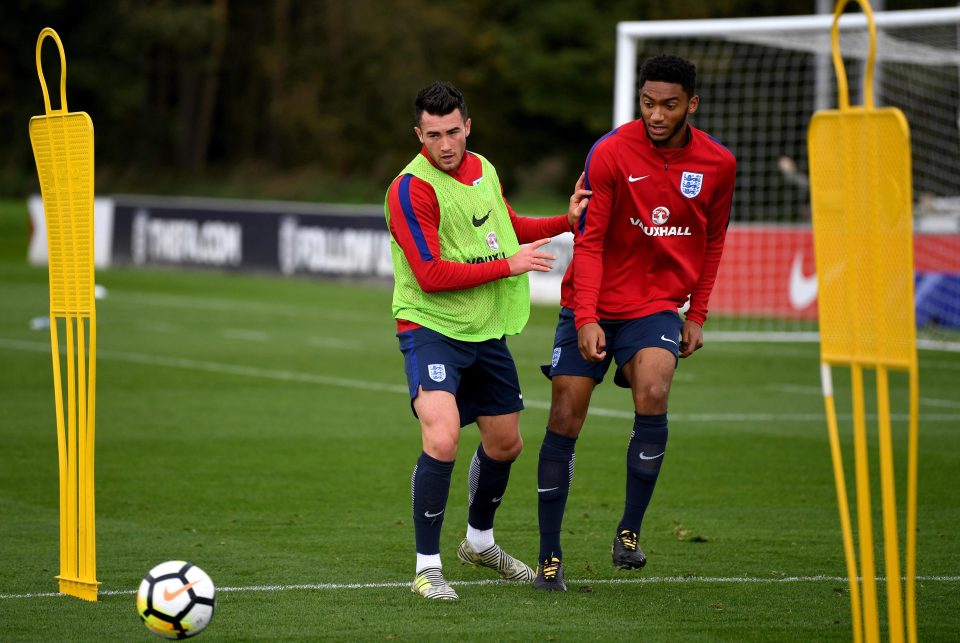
(531, 259)
(414, 221)
(532, 228)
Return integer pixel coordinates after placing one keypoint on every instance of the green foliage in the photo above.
(188, 95)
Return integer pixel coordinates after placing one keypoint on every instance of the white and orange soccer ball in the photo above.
(176, 600)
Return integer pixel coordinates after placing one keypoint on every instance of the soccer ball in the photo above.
(176, 600)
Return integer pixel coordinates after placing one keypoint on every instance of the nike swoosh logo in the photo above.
(803, 289)
(634, 179)
(497, 499)
(479, 222)
(651, 457)
(667, 339)
(169, 596)
(430, 515)
(539, 490)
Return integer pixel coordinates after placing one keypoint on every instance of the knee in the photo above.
(564, 421)
(505, 450)
(651, 397)
(442, 447)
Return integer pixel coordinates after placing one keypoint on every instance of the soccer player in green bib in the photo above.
(460, 288)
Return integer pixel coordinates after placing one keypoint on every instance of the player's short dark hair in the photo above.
(439, 99)
(670, 69)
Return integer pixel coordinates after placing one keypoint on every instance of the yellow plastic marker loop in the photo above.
(50, 33)
(842, 87)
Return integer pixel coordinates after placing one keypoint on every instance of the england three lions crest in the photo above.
(690, 184)
(437, 372)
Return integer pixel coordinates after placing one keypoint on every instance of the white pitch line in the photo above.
(235, 305)
(939, 364)
(794, 388)
(157, 327)
(761, 337)
(339, 343)
(817, 390)
(368, 385)
(245, 335)
(649, 580)
(950, 404)
(216, 367)
(808, 337)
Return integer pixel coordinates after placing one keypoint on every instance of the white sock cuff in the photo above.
(480, 539)
(425, 561)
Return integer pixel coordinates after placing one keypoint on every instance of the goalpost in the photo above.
(760, 80)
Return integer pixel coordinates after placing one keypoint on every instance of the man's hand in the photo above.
(691, 338)
(592, 342)
(578, 201)
(529, 258)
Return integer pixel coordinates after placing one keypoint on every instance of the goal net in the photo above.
(760, 80)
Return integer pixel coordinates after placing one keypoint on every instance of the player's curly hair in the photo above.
(439, 99)
(670, 69)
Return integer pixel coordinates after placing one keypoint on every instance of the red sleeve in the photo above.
(718, 219)
(414, 223)
(588, 245)
(534, 228)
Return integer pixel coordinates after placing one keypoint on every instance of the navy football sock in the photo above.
(488, 483)
(645, 454)
(554, 475)
(430, 486)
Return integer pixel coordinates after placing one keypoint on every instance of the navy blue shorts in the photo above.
(481, 375)
(624, 338)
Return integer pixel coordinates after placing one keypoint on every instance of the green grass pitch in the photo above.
(259, 427)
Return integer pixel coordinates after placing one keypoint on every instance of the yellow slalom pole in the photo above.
(71, 447)
(61, 439)
(90, 523)
(871, 623)
(82, 562)
(826, 380)
(913, 439)
(891, 546)
(63, 149)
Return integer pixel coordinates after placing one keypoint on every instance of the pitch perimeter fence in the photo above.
(352, 242)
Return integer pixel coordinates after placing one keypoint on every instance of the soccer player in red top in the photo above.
(650, 238)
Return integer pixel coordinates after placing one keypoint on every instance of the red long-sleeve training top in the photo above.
(421, 225)
(654, 229)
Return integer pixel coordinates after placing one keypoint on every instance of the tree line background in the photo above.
(313, 99)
